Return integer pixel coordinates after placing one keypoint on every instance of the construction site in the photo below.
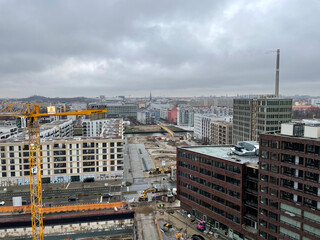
(147, 208)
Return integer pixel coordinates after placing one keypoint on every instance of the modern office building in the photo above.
(123, 110)
(218, 184)
(256, 115)
(289, 183)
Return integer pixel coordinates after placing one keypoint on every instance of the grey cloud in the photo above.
(186, 48)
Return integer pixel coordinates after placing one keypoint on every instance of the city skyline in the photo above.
(173, 49)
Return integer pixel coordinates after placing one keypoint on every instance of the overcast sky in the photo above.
(172, 48)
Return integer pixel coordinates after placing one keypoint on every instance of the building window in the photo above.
(264, 200)
(273, 192)
(275, 144)
(263, 223)
(274, 180)
(233, 181)
(264, 154)
(264, 189)
(263, 234)
(264, 143)
(264, 178)
(273, 215)
(311, 230)
(264, 166)
(289, 233)
(274, 168)
(273, 204)
(219, 176)
(263, 212)
(274, 156)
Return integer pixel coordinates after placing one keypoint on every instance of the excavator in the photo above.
(143, 196)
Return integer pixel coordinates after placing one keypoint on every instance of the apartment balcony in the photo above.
(251, 217)
(249, 229)
(252, 178)
(252, 204)
(252, 191)
(59, 153)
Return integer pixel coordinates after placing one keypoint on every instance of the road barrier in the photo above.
(66, 208)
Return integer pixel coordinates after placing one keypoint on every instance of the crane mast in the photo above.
(32, 112)
(35, 179)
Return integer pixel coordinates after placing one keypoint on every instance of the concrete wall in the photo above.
(68, 228)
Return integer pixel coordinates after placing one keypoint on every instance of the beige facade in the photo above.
(221, 132)
(63, 160)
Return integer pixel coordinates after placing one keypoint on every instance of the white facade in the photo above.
(185, 117)
(202, 126)
(63, 160)
(96, 128)
(61, 128)
(164, 113)
(8, 131)
(315, 101)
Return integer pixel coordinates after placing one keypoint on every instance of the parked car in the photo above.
(107, 195)
(25, 202)
(72, 198)
(2, 203)
(197, 237)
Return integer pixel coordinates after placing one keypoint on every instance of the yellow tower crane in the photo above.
(32, 112)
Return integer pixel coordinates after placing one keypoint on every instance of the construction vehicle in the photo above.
(167, 170)
(143, 196)
(33, 112)
(160, 170)
(156, 171)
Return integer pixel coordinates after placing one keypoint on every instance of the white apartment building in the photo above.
(164, 113)
(202, 126)
(59, 128)
(96, 128)
(63, 160)
(7, 131)
(185, 116)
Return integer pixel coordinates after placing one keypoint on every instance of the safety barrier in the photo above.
(158, 228)
(66, 208)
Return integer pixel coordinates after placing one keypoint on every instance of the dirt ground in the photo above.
(145, 128)
(161, 148)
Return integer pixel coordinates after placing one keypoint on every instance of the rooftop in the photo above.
(52, 139)
(223, 152)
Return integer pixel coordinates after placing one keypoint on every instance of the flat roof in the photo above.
(223, 152)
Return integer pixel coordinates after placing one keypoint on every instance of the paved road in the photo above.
(136, 164)
(147, 227)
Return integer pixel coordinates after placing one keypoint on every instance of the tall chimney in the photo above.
(277, 74)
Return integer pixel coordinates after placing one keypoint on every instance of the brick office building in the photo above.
(218, 184)
(289, 185)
